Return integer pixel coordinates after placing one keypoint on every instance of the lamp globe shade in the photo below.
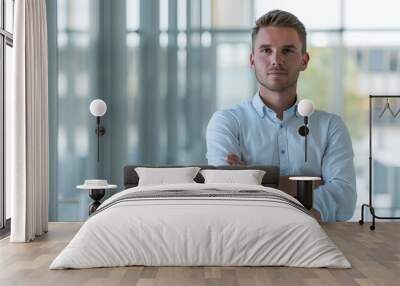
(98, 107)
(305, 107)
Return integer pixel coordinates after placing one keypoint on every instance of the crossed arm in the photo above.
(223, 146)
(335, 200)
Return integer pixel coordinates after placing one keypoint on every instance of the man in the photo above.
(264, 130)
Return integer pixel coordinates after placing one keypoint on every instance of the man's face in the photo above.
(277, 58)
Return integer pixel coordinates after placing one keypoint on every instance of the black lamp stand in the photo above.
(100, 131)
(96, 195)
(303, 131)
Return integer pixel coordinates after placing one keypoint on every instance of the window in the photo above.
(6, 43)
(166, 65)
(376, 60)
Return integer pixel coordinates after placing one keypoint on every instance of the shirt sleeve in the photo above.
(336, 199)
(222, 138)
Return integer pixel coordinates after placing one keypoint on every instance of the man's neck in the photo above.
(278, 101)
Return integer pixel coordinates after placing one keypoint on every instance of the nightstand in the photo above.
(97, 189)
(305, 190)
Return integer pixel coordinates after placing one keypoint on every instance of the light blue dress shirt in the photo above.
(254, 133)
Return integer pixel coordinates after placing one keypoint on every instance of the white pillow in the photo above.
(163, 176)
(248, 177)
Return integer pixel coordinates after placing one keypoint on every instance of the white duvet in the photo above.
(200, 231)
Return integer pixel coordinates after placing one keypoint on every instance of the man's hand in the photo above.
(314, 213)
(233, 159)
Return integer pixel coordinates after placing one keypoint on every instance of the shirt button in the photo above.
(282, 151)
(281, 125)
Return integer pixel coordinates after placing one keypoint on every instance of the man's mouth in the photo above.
(276, 73)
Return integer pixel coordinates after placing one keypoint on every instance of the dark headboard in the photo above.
(270, 179)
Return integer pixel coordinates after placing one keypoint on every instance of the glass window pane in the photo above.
(231, 13)
(374, 67)
(328, 16)
(394, 61)
(3, 137)
(132, 15)
(8, 86)
(75, 14)
(385, 154)
(315, 82)
(9, 15)
(182, 14)
(371, 67)
(132, 100)
(381, 14)
(194, 19)
(163, 15)
(372, 39)
(374, 59)
(62, 15)
(77, 85)
(233, 66)
(1, 16)
(206, 14)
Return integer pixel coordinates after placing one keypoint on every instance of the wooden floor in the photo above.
(374, 255)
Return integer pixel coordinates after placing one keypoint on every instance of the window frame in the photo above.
(6, 39)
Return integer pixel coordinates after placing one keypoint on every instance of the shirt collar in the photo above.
(292, 111)
(262, 109)
(259, 105)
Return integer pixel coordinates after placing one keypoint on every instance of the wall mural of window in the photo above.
(164, 67)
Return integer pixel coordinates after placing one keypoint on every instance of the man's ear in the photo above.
(251, 58)
(304, 61)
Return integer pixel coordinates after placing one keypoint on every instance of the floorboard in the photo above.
(374, 255)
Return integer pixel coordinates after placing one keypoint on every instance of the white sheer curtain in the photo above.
(27, 137)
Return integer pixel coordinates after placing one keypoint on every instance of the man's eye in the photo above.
(266, 51)
(287, 51)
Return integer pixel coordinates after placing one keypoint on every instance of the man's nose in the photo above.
(276, 59)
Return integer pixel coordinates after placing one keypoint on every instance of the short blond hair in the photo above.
(279, 18)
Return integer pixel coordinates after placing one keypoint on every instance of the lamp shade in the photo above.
(98, 107)
(305, 107)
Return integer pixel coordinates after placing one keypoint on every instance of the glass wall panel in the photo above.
(327, 17)
(182, 14)
(163, 15)
(132, 14)
(132, 115)
(193, 15)
(9, 15)
(386, 154)
(77, 86)
(206, 16)
(228, 14)
(164, 67)
(8, 86)
(372, 38)
(6, 60)
(372, 68)
(235, 79)
(370, 14)
(315, 82)
(4, 173)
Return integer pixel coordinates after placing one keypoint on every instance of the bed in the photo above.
(201, 224)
